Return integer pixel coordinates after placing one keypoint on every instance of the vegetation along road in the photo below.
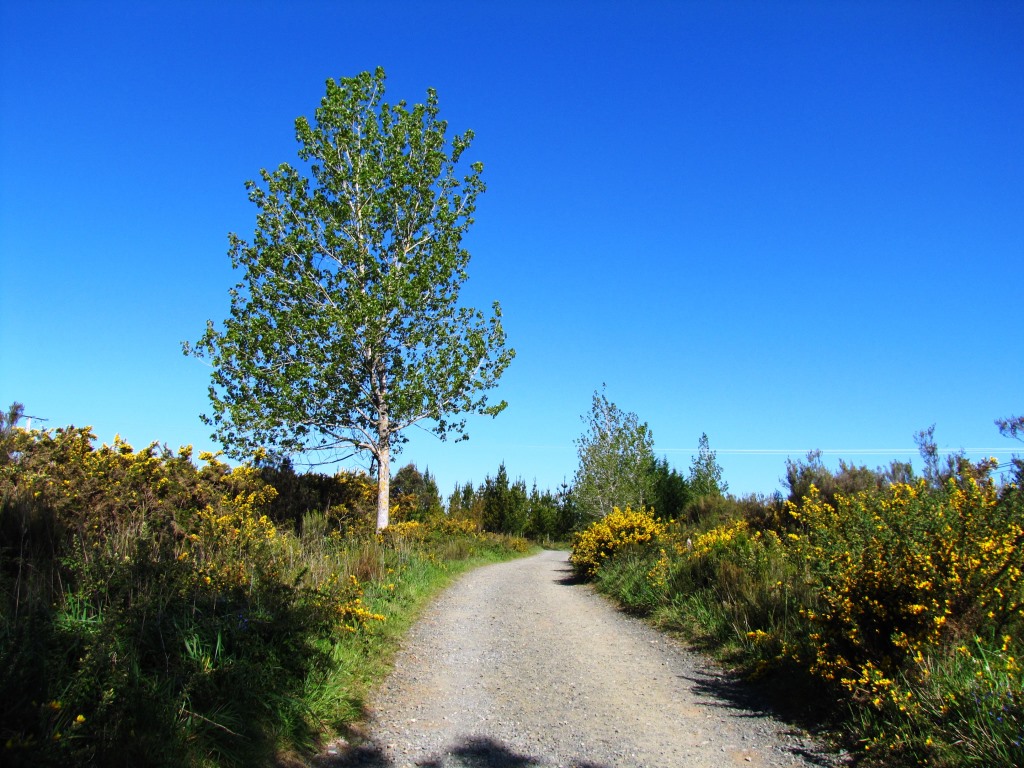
(518, 664)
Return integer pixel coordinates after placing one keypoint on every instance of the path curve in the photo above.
(517, 665)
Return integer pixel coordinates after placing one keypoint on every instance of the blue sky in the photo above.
(788, 225)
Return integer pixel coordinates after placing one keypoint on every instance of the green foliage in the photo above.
(545, 516)
(705, 473)
(616, 531)
(416, 494)
(672, 493)
(901, 601)
(616, 459)
(346, 499)
(502, 505)
(154, 614)
(627, 575)
(346, 327)
(465, 503)
(505, 506)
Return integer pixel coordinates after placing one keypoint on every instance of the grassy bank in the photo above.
(402, 571)
(157, 612)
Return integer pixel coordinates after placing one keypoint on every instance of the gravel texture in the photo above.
(518, 665)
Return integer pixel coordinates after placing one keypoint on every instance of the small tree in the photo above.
(543, 514)
(705, 473)
(616, 460)
(346, 328)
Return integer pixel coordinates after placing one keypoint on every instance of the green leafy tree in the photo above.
(346, 328)
(705, 473)
(616, 457)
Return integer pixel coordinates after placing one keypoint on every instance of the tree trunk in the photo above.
(383, 486)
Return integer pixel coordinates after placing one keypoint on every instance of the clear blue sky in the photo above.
(789, 225)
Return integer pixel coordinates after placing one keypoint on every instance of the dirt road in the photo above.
(518, 665)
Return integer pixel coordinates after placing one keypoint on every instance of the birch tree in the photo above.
(346, 328)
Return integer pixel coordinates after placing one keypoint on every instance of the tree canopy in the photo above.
(346, 327)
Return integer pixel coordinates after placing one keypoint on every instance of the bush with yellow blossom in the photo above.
(153, 604)
(613, 532)
(908, 571)
(903, 600)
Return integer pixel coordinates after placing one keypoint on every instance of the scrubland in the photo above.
(889, 607)
(162, 611)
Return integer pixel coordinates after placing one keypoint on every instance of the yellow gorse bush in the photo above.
(904, 572)
(143, 561)
(410, 530)
(717, 539)
(456, 525)
(904, 599)
(658, 574)
(201, 607)
(618, 529)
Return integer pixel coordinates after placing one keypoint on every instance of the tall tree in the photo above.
(464, 503)
(346, 327)
(616, 456)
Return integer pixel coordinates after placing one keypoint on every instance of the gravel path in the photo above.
(518, 665)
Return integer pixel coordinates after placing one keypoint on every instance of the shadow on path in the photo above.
(476, 752)
(569, 577)
(740, 697)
